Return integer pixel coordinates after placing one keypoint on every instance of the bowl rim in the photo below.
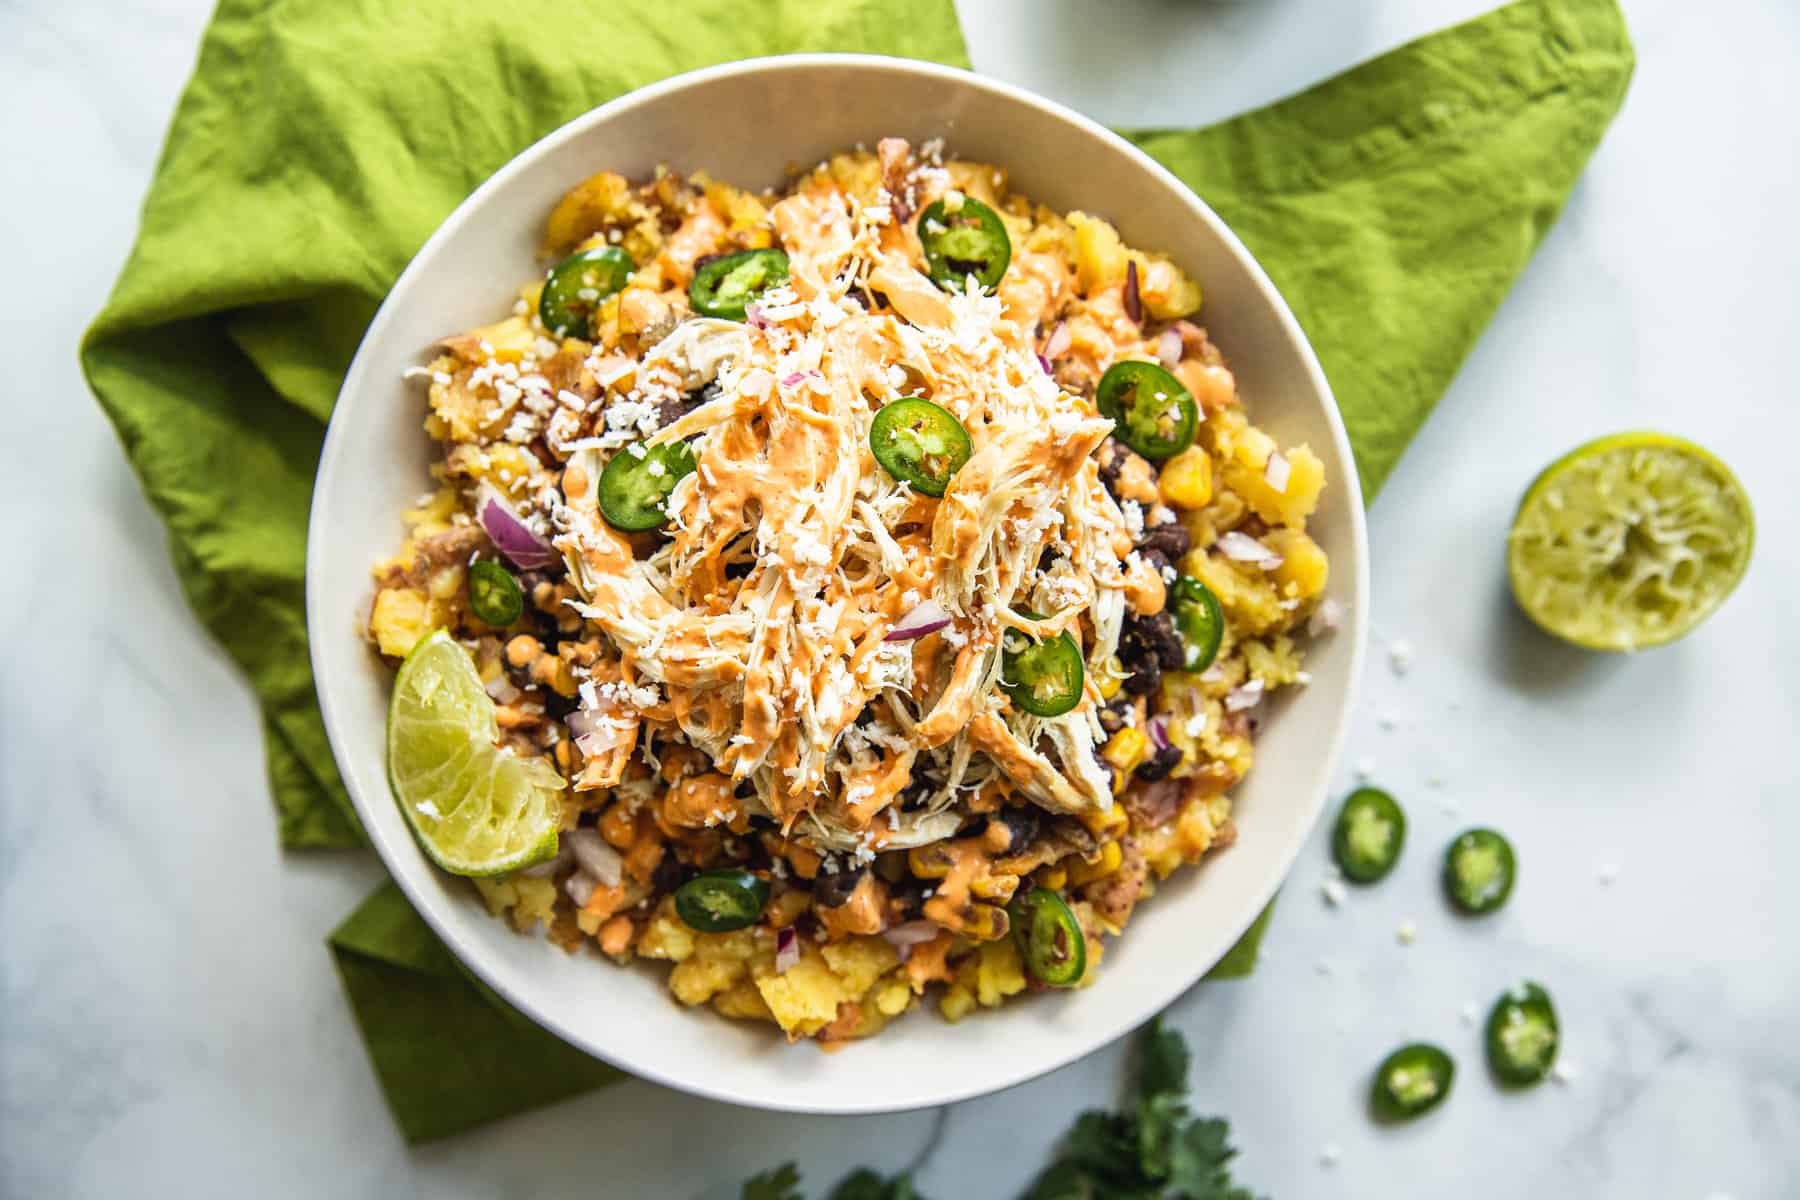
(956, 1086)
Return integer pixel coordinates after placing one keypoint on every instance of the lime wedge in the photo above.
(476, 808)
(1629, 541)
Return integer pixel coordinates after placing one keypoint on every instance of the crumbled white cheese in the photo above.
(1133, 512)
(1400, 656)
(1407, 932)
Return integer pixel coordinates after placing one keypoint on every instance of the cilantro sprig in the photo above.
(1153, 1149)
(783, 1183)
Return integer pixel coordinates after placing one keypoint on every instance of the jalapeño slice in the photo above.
(1522, 1036)
(916, 441)
(1411, 1081)
(635, 486)
(1370, 833)
(1049, 937)
(494, 594)
(1043, 678)
(721, 901)
(971, 240)
(725, 286)
(1479, 868)
(1150, 410)
(1199, 621)
(576, 287)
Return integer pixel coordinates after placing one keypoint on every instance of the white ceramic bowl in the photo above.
(746, 122)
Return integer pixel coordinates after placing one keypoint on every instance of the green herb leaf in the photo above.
(867, 1185)
(1154, 1151)
(1163, 1062)
(1198, 1162)
(783, 1183)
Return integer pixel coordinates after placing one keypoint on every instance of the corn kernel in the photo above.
(985, 923)
(1110, 823)
(928, 862)
(1108, 862)
(995, 887)
(1112, 679)
(1126, 749)
(1186, 480)
(1055, 878)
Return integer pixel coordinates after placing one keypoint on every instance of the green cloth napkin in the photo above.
(318, 145)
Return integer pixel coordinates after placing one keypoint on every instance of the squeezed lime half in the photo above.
(1629, 541)
(476, 808)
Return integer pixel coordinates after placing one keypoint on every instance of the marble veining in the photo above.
(169, 1020)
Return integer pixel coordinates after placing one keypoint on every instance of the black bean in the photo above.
(1022, 825)
(1144, 680)
(1148, 646)
(908, 895)
(1112, 455)
(829, 891)
(1158, 765)
(558, 706)
(667, 876)
(1159, 562)
(1170, 540)
(1113, 714)
(671, 411)
(927, 781)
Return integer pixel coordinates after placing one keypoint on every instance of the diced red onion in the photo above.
(1060, 338)
(1241, 547)
(794, 380)
(1244, 696)
(595, 856)
(580, 888)
(1159, 732)
(1045, 363)
(509, 533)
(1134, 303)
(500, 689)
(1327, 617)
(591, 735)
(910, 934)
(928, 616)
(753, 315)
(787, 949)
(1276, 473)
(1168, 347)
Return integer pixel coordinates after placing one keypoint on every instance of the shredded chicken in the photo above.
(765, 616)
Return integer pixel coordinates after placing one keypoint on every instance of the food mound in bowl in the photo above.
(881, 576)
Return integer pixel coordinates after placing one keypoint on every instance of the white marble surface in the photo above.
(169, 1021)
